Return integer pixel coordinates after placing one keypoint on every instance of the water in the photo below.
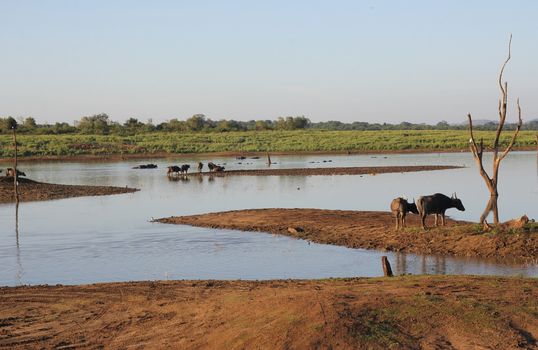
(110, 238)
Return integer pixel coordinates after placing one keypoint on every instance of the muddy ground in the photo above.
(424, 312)
(373, 230)
(30, 190)
(329, 171)
(124, 156)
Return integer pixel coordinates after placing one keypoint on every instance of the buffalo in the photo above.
(146, 166)
(400, 207)
(200, 166)
(214, 167)
(437, 204)
(10, 172)
(174, 169)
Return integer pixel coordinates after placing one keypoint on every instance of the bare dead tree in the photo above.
(478, 149)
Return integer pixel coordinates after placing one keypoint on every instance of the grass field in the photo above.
(252, 141)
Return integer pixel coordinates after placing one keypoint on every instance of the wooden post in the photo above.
(387, 271)
(15, 187)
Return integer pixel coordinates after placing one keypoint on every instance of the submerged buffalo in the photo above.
(437, 204)
(146, 166)
(399, 208)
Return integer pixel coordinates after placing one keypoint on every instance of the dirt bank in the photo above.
(118, 156)
(372, 230)
(329, 171)
(425, 312)
(30, 190)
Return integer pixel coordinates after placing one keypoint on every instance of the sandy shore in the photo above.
(372, 230)
(329, 171)
(425, 312)
(30, 190)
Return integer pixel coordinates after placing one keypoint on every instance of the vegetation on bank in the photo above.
(250, 141)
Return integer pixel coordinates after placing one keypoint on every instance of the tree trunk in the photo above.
(491, 207)
(387, 270)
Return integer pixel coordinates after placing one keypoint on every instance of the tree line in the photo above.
(101, 124)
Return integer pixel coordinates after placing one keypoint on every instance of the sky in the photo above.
(375, 61)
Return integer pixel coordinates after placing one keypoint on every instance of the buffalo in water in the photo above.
(146, 166)
(399, 208)
(10, 172)
(174, 169)
(437, 204)
(214, 167)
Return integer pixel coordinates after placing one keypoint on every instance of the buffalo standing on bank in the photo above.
(437, 204)
(400, 207)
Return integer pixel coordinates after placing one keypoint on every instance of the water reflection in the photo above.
(19, 273)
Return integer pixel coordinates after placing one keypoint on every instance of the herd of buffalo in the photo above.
(184, 169)
(436, 204)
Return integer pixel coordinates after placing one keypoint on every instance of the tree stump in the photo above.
(387, 271)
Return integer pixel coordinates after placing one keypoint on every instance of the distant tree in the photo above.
(443, 125)
(132, 126)
(300, 122)
(263, 125)
(29, 123)
(63, 128)
(196, 122)
(133, 123)
(95, 124)
(292, 123)
(174, 125)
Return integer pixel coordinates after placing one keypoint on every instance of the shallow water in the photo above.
(110, 238)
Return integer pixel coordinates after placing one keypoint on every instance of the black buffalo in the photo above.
(146, 166)
(437, 204)
(174, 169)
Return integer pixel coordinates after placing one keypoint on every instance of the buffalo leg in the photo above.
(443, 219)
(423, 221)
(403, 220)
(435, 220)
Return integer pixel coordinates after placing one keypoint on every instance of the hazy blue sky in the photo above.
(418, 61)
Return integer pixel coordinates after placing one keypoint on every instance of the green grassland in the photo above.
(252, 141)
